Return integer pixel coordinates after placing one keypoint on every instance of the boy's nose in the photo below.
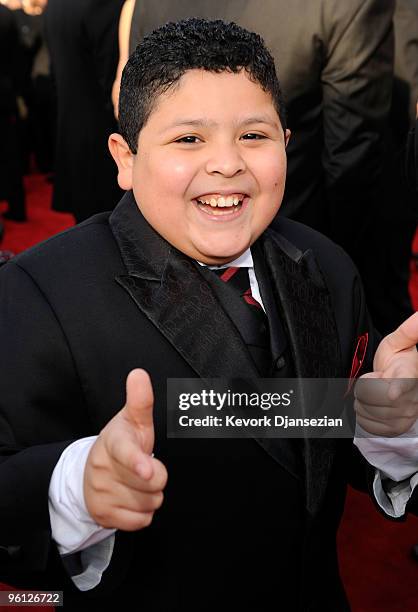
(226, 160)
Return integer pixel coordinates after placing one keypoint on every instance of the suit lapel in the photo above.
(306, 308)
(307, 313)
(173, 293)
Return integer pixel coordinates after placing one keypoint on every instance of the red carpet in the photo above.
(378, 572)
(42, 221)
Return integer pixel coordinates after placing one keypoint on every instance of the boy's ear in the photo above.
(287, 137)
(123, 157)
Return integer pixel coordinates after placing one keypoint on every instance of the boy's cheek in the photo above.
(270, 170)
(175, 176)
(168, 176)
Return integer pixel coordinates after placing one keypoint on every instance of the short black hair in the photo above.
(163, 56)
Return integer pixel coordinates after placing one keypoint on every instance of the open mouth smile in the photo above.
(216, 205)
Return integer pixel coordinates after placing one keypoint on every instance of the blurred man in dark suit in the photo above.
(396, 223)
(11, 178)
(82, 37)
(411, 160)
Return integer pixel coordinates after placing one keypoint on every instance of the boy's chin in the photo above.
(220, 254)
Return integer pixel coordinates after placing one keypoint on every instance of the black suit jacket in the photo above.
(81, 310)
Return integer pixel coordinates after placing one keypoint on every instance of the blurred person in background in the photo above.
(37, 98)
(11, 172)
(396, 223)
(125, 46)
(31, 7)
(34, 7)
(335, 62)
(12, 4)
(82, 36)
(411, 161)
(42, 109)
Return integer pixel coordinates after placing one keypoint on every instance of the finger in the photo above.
(404, 337)
(384, 391)
(126, 453)
(125, 520)
(142, 502)
(156, 483)
(373, 413)
(401, 387)
(139, 406)
(385, 429)
(378, 413)
(137, 501)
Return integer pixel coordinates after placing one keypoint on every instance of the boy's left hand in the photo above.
(390, 407)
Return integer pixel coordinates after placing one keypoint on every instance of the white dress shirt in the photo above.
(74, 530)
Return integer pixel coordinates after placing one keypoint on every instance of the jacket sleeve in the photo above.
(356, 87)
(42, 410)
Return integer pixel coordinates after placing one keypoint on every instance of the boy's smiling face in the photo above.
(210, 169)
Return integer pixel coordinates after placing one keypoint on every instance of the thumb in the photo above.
(403, 338)
(139, 407)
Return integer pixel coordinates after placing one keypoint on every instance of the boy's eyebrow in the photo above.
(202, 122)
(260, 119)
(191, 122)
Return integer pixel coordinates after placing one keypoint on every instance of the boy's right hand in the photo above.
(123, 483)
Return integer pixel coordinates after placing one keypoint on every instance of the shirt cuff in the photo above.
(73, 529)
(93, 561)
(391, 496)
(396, 458)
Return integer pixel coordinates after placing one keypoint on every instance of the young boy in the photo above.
(240, 524)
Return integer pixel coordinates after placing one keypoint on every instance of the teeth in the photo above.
(221, 201)
(218, 211)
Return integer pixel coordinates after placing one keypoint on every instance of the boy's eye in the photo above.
(188, 139)
(253, 136)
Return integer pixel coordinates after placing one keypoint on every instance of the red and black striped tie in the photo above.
(240, 280)
(256, 332)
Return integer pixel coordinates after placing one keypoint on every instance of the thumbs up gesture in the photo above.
(387, 399)
(123, 483)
